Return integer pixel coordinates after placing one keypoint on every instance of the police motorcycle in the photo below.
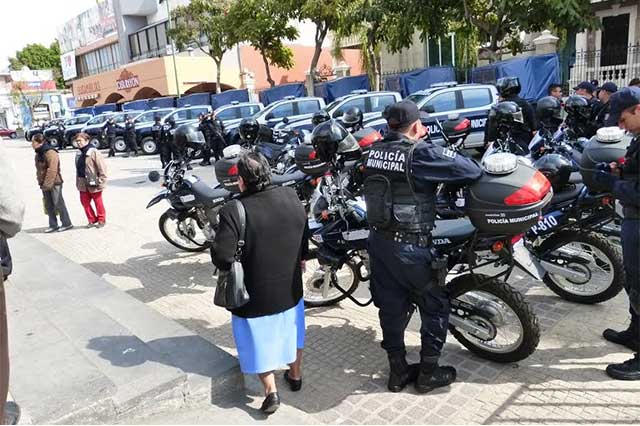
(488, 317)
(192, 218)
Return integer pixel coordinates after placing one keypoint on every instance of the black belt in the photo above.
(417, 239)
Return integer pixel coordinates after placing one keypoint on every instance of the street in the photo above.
(344, 367)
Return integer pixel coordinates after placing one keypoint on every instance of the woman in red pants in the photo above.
(91, 178)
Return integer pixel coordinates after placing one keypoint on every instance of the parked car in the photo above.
(232, 114)
(94, 128)
(370, 103)
(180, 115)
(56, 131)
(144, 121)
(8, 132)
(35, 130)
(472, 101)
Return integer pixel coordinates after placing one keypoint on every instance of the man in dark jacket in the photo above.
(218, 142)
(509, 88)
(402, 174)
(130, 137)
(603, 118)
(158, 137)
(623, 180)
(205, 126)
(49, 178)
(168, 150)
(586, 89)
(109, 129)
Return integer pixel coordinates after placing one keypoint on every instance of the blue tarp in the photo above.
(536, 73)
(279, 92)
(194, 99)
(166, 102)
(99, 109)
(331, 90)
(140, 105)
(228, 96)
(86, 110)
(407, 83)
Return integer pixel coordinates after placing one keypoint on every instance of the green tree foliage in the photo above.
(39, 57)
(204, 23)
(264, 24)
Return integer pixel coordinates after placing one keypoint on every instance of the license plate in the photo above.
(547, 223)
(526, 261)
(187, 198)
(361, 234)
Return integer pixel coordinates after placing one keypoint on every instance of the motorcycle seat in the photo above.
(568, 195)
(453, 229)
(206, 194)
(280, 180)
(576, 177)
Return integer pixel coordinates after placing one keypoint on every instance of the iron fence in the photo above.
(618, 65)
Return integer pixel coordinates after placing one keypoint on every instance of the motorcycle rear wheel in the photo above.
(313, 282)
(501, 302)
(185, 244)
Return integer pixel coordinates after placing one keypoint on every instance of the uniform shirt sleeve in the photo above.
(529, 116)
(435, 164)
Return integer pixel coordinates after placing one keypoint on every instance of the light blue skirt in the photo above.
(269, 342)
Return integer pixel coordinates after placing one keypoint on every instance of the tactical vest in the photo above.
(392, 203)
(631, 171)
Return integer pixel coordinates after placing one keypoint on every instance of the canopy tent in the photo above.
(140, 105)
(276, 93)
(228, 96)
(331, 90)
(410, 82)
(194, 99)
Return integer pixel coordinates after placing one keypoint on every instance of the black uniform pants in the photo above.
(217, 146)
(132, 146)
(401, 278)
(165, 153)
(176, 152)
(206, 149)
(111, 140)
(631, 253)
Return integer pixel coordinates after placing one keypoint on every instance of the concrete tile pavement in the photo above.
(345, 369)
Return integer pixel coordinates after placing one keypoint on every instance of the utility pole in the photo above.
(173, 50)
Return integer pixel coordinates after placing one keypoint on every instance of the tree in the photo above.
(204, 23)
(500, 22)
(38, 57)
(264, 24)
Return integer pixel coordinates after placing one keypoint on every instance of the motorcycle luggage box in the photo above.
(307, 161)
(608, 145)
(508, 203)
(366, 137)
(226, 170)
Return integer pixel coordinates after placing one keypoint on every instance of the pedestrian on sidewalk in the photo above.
(49, 178)
(91, 178)
(11, 215)
(269, 329)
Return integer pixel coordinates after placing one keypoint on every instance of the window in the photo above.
(161, 30)
(441, 51)
(308, 107)
(443, 102)
(100, 60)
(146, 117)
(142, 39)
(248, 111)
(149, 42)
(228, 114)
(379, 103)
(179, 115)
(281, 111)
(195, 112)
(357, 102)
(475, 98)
(133, 45)
(152, 38)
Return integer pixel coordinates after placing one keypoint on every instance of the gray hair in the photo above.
(255, 171)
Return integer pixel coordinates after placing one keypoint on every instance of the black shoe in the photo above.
(271, 403)
(430, 378)
(400, 373)
(11, 413)
(628, 370)
(294, 385)
(628, 338)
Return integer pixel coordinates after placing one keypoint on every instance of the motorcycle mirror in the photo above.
(154, 176)
(285, 120)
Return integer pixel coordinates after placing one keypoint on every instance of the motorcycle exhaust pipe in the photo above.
(568, 273)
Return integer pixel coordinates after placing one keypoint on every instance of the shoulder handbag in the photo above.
(231, 292)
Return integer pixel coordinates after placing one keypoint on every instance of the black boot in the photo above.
(433, 376)
(629, 337)
(400, 373)
(628, 370)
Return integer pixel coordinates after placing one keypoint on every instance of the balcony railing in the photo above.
(618, 65)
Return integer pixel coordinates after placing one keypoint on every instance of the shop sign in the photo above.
(127, 81)
(89, 87)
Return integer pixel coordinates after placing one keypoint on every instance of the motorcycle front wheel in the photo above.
(319, 283)
(184, 233)
(504, 327)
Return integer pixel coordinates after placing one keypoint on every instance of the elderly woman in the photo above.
(91, 178)
(269, 329)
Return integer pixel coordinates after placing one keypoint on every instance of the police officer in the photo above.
(623, 181)
(352, 119)
(206, 127)
(130, 136)
(167, 145)
(110, 129)
(586, 89)
(401, 176)
(509, 88)
(157, 135)
(217, 141)
(603, 118)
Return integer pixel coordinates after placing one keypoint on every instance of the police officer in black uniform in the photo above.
(157, 135)
(130, 136)
(401, 176)
(509, 88)
(603, 116)
(218, 142)
(623, 181)
(206, 127)
(109, 129)
(167, 150)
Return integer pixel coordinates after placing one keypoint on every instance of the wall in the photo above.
(407, 59)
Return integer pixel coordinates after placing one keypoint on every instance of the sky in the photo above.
(34, 21)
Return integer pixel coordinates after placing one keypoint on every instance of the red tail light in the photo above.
(463, 125)
(233, 170)
(622, 160)
(497, 247)
(532, 192)
(369, 139)
(516, 238)
(312, 155)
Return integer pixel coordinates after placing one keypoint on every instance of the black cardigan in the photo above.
(275, 243)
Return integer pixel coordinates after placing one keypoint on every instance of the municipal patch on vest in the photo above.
(390, 161)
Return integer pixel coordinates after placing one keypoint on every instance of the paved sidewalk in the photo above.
(344, 367)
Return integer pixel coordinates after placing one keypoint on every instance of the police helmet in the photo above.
(331, 138)
(320, 117)
(557, 168)
(506, 113)
(157, 118)
(171, 121)
(352, 118)
(508, 86)
(187, 135)
(549, 111)
(577, 107)
(249, 129)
